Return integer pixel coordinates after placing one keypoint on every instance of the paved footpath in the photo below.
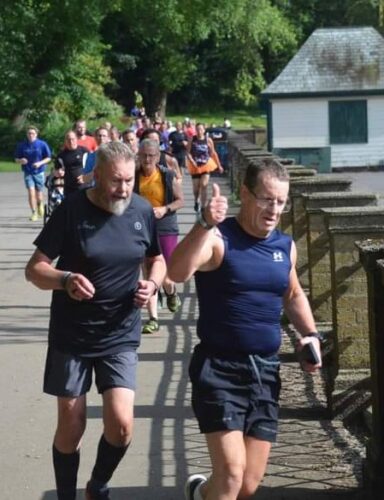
(314, 458)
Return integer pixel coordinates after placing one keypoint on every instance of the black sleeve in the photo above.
(154, 246)
(51, 239)
(59, 161)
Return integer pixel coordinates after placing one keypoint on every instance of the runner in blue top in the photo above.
(101, 237)
(245, 275)
(33, 156)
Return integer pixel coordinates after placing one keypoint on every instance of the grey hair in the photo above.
(112, 152)
(149, 142)
(268, 166)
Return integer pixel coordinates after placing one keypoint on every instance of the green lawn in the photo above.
(239, 119)
(9, 166)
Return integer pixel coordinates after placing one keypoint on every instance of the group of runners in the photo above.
(115, 236)
(185, 147)
(163, 155)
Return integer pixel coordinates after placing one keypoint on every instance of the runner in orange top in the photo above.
(202, 159)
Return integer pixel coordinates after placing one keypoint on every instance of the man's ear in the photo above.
(243, 192)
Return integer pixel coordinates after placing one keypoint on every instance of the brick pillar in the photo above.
(350, 357)
(296, 173)
(370, 253)
(319, 271)
(300, 186)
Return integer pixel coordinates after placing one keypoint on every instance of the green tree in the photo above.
(196, 46)
(51, 58)
(307, 15)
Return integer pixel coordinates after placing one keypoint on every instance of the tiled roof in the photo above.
(334, 60)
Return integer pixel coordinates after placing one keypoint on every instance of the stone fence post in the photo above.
(299, 187)
(319, 271)
(350, 356)
(240, 153)
(296, 173)
(370, 255)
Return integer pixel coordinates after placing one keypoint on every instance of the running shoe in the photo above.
(173, 302)
(40, 210)
(191, 484)
(196, 207)
(34, 217)
(151, 326)
(90, 495)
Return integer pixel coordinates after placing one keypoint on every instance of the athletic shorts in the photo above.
(35, 181)
(168, 242)
(239, 392)
(68, 375)
(181, 160)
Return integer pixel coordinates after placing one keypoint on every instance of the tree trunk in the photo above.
(157, 105)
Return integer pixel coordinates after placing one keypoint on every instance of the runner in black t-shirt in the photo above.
(71, 159)
(101, 237)
(178, 141)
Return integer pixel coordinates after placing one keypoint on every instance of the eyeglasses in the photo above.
(148, 155)
(282, 206)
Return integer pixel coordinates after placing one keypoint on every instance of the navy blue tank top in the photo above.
(241, 302)
(200, 150)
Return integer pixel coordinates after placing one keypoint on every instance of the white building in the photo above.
(326, 108)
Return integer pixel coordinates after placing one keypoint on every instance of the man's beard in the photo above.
(118, 207)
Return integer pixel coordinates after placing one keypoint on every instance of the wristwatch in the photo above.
(319, 336)
(169, 210)
(201, 220)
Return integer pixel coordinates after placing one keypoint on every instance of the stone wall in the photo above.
(371, 255)
(318, 245)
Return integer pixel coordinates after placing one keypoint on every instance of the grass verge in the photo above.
(9, 166)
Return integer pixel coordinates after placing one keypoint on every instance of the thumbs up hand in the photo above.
(216, 210)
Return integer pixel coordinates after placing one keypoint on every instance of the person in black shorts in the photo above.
(101, 237)
(245, 274)
(178, 141)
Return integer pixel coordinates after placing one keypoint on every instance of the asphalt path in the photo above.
(324, 463)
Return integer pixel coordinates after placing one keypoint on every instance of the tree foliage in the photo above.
(61, 59)
(201, 45)
(307, 15)
(51, 58)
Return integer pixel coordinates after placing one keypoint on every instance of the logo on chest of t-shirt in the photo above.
(138, 226)
(86, 225)
(278, 257)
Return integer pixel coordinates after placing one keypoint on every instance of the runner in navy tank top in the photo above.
(245, 275)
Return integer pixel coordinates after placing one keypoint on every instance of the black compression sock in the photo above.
(108, 458)
(65, 466)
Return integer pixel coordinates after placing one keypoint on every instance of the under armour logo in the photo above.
(138, 226)
(278, 257)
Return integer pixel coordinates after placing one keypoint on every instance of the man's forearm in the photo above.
(300, 314)
(186, 258)
(157, 270)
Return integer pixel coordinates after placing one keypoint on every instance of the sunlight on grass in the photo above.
(239, 119)
(9, 166)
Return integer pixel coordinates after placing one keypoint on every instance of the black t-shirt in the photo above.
(176, 139)
(72, 162)
(108, 250)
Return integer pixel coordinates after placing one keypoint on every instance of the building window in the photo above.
(348, 123)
